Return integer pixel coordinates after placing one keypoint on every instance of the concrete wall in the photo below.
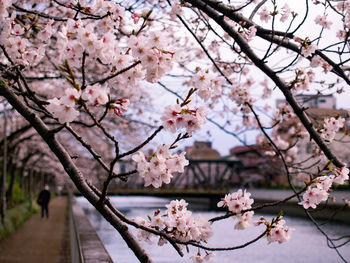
(86, 246)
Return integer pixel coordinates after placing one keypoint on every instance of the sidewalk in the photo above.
(40, 240)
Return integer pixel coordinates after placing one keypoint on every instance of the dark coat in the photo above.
(45, 196)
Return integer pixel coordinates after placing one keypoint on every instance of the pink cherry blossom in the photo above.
(279, 233)
(159, 167)
(322, 20)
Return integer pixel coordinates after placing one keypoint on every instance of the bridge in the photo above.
(200, 177)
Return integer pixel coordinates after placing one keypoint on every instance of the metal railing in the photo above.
(85, 245)
(75, 244)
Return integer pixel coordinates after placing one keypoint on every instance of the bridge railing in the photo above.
(198, 175)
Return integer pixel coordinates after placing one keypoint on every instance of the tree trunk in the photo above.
(13, 176)
(74, 173)
(4, 172)
(30, 188)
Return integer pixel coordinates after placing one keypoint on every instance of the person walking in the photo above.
(43, 200)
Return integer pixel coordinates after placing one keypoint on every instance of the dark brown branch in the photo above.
(73, 172)
(226, 248)
(39, 14)
(87, 146)
(229, 214)
(98, 124)
(101, 81)
(133, 223)
(219, 19)
(278, 37)
(142, 144)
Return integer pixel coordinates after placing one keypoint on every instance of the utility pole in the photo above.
(4, 171)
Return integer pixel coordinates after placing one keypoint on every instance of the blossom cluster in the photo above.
(241, 95)
(153, 54)
(4, 4)
(250, 33)
(318, 191)
(279, 232)
(199, 258)
(207, 84)
(303, 80)
(344, 8)
(64, 108)
(16, 38)
(160, 166)
(176, 117)
(277, 229)
(290, 153)
(178, 222)
(77, 36)
(235, 203)
(266, 15)
(317, 61)
(98, 40)
(330, 128)
(322, 20)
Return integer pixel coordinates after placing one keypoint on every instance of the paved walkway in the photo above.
(40, 240)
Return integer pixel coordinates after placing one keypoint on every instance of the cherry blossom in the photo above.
(319, 189)
(264, 14)
(178, 223)
(201, 258)
(279, 233)
(160, 166)
(4, 4)
(341, 175)
(96, 94)
(330, 128)
(235, 203)
(152, 54)
(308, 49)
(286, 12)
(322, 20)
(317, 61)
(188, 117)
(64, 112)
(251, 33)
(314, 196)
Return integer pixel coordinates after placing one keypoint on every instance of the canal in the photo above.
(307, 244)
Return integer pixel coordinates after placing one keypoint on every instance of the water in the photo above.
(306, 245)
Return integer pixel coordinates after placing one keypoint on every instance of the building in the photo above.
(258, 169)
(201, 151)
(317, 101)
(318, 108)
(341, 149)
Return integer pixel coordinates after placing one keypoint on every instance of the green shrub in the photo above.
(15, 218)
(17, 193)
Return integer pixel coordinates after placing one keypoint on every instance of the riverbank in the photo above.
(335, 208)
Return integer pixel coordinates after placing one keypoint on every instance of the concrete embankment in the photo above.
(66, 236)
(333, 209)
